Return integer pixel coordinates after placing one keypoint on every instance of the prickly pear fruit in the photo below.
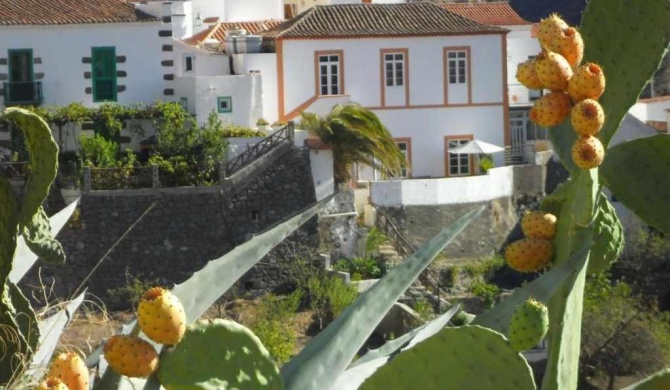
(529, 254)
(553, 70)
(161, 316)
(526, 75)
(551, 109)
(550, 28)
(70, 369)
(588, 152)
(131, 356)
(587, 82)
(570, 45)
(587, 117)
(539, 224)
(528, 325)
(52, 383)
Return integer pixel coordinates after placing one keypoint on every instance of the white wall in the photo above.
(266, 64)
(61, 49)
(206, 62)
(653, 109)
(322, 172)
(247, 10)
(520, 45)
(206, 9)
(497, 183)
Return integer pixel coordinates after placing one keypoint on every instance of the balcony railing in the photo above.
(23, 93)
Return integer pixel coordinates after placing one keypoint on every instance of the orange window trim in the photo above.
(445, 70)
(340, 53)
(448, 138)
(408, 141)
(382, 74)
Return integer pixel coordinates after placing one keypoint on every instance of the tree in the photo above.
(357, 136)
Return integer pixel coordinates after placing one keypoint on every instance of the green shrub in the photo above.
(131, 293)
(424, 309)
(328, 297)
(362, 268)
(486, 163)
(274, 327)
(374, 239)
(234, 131)
(486, 291)
(98, 152)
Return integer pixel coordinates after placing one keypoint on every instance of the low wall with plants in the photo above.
(176, 231)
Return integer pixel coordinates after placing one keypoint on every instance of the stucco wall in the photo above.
(61, 50)
(266, 64)
(520, 45)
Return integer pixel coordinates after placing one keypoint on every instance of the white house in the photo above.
(435, 78)
(655, 112)
(522, 45)
(295, 7)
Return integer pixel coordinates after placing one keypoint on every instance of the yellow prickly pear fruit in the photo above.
(51, 383)
(551, 109)
(131, 356)
(588, 152)
(539, 224)
(161, 316)
(587, 82)
(553, 70)
(70, 369)
(529, 254)
(527, 76)
(549, 29)
(587, 117)
(570, 45)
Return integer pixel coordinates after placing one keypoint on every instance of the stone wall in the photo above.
(179, 230)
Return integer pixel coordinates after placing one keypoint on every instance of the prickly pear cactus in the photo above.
(529, 325)
(241, 361)
(18, 326)
(468, 357)
(608, 238)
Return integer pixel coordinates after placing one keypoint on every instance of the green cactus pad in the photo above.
(43, 163)
(38, 238)
(636, 171)
(468, 357)
(218, 354)
(658, 381)
(608, 238)
(25, 316)
(529, 325)
(8, 228)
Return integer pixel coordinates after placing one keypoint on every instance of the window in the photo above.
(459, 164)
(405, 147)
(457, 65)
(329, 74)
(189, 63)
(394, 69)
(103, 64)
(224, 104)
(183, 101)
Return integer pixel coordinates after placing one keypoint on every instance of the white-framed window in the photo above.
(329, 74)
(459, 164)
(457, 65)
(394, 69)
(189, 63)
(404, 147)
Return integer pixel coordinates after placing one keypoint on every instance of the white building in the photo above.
(522, 44)
(295, 7)
(434, 78)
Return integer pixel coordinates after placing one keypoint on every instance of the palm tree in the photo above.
(357, 136)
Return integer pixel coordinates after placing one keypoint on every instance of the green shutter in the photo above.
(103, 69)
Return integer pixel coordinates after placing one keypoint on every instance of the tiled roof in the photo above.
(495, 14)
(45, 12)
(378, 20)
(534, 10)
(218, 30)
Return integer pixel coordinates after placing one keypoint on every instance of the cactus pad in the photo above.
(218, 354)
(529, 325)
(608, 238)
(468, 357)
(38, 238)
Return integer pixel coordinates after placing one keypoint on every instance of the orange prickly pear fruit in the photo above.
(70, 369)
(570, 45)
(551, 109)
(51, 383)
(529, 254)
(588, 152)
(553, 70)
(161, 316)
(539, 224)
(527, 76)
(587, 82)
(587, 117)
(131, 356)
(550, 28)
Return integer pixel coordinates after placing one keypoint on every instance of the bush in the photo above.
(486, 163)
(486, 291)
(98, 152)
(361, 268)
(233, 131)
(274, 327)
(328, 297)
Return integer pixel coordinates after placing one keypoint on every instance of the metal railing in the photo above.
(404, 248)
(13, 170)
(22, 92)
(286, 133)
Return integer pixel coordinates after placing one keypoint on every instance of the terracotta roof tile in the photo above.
(378, 20)
(46, 12)
(494, 14)
(218, 31)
